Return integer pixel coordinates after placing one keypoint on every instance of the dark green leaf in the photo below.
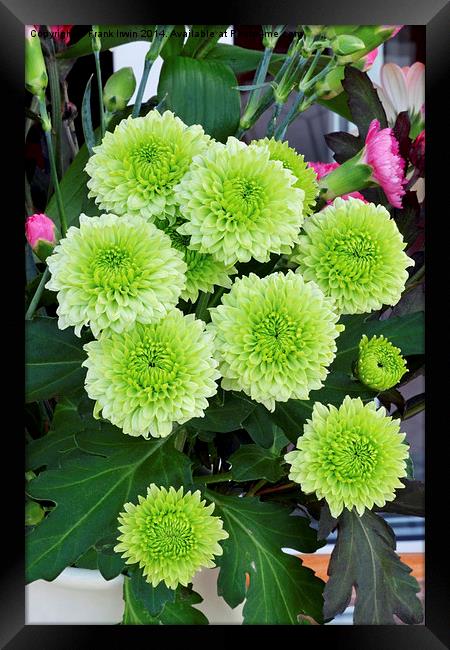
(172, 609)
(90, 492)
(74, 193)
(364, 557)
(53, 359)
(327, 523)
(260, 426)
(281, 588)
(363, 100)
(291, 415)
(86, 117)
(110, 565)
(120, 34)
(201, 40)
(401, 131)
(408, 501)
(174, 43)
(201, 92)
(228, 417)
(344, 145)
(338, 104)
(407, 219)
(241, 59)
(406, 332)
(60, 439)
(251, 462)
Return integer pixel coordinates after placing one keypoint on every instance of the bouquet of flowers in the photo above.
(218, 329)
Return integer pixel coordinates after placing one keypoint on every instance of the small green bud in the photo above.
(271, 36)
(35, 73)
(95, 36)
(34, 513)
(313, 30)
(119, 89)
(347, 44)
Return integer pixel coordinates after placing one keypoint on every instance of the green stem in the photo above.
(201, 310)
(100, 93)
(252, 103)
(216, 297)
(254, 489)
(47, 126)
(137, 104)
(280, 132)
(37, 296)
(180, 439)
(55, 96)
(206, 479)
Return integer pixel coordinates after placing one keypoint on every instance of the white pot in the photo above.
(83, 596)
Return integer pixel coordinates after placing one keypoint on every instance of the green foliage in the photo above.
(102, 484)
(363, 100)
(226, 416)
(202, 39)
(201, 92)
(147, 605)
(53, 359)
(251, 462)
(364, 557)
(281, 588)
(74, 192)
(260, 426)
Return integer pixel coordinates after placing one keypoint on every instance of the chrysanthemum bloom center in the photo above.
(275, 336)
(354, 256)
(351, 457)
(153, 367)
(168, 535)
(153, 164)
(113, 268)
(242, 197)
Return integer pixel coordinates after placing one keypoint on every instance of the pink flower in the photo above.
(369, 59)
(402, 89)
(323, 169)
(60, 33)
(39, 228)
(381, 152)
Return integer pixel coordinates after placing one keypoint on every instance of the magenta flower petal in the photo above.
(382, 154)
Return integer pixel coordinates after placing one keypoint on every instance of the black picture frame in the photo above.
(14, 14)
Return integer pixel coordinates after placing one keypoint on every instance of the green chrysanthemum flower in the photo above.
(134, 169)
(355, 253)
(151, 376)
(240, 204)
(380, 364)
(295, 162)
(170, 535)
(203, 272)
(113, 271)
(274, 337)
(353, 457)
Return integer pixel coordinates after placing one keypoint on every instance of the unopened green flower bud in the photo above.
(119, 89)
(34, 513)
(271, 36)
(313, 30)
(95, 36)
(35, 73)
(336, 30)
(331, 86)
(347, 44)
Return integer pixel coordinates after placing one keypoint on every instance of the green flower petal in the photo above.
(170, 535)
(151, 376)
(355, 253)
(274, 337)
(239, 204)
(380, 364)
(353, 457)
(113, 271)
(203, 272)
(295, 162)
(135, 168)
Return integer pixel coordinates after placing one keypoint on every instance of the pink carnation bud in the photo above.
(381, 152)
(40, 234)
(417, 153)
(369, 59)
(322, 169)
